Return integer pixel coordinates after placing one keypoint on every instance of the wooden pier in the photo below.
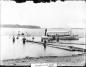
(59, 45)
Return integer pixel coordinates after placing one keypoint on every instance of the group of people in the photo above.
(20, 35)
(25, 35)
(23, 39)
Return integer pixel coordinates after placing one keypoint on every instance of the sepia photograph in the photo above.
(43, 33)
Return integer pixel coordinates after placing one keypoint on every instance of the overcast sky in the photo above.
(50, 15)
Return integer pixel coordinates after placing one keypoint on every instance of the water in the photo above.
(18, 50)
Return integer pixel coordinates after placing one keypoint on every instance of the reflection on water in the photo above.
(18, 50)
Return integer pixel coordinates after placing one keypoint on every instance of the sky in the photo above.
(68, 14)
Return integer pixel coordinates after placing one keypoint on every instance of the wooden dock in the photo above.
(56, 45)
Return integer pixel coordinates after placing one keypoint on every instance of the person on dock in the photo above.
(46, 32)
(24, 40)
(13, 39)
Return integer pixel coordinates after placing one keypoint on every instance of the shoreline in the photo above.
(60, 60)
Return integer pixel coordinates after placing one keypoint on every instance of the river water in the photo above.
(18, 50)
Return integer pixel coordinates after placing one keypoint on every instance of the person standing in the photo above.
(13, 39)
(24, 40)
(45, 31)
